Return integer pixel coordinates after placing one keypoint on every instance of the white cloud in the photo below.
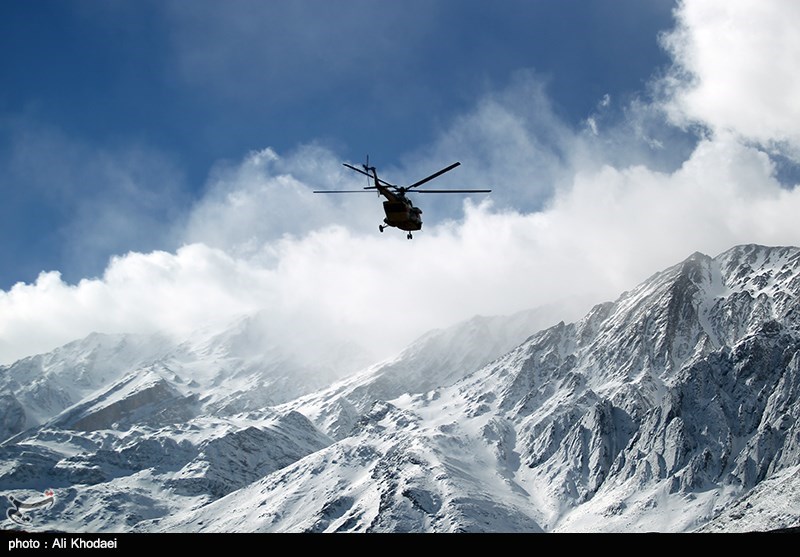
(628, 223)
(736, 68)
(267, 197)
(158, 291)
(608, 230)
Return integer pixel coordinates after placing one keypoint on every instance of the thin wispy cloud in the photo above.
(104, 200)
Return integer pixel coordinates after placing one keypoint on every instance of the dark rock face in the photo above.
(12, 416)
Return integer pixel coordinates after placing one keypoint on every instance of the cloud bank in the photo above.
(575, 213)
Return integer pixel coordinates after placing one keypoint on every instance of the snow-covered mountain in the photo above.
(155, 424)
(674, 408)
(220, 370)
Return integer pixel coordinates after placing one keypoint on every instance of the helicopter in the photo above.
(400, 211)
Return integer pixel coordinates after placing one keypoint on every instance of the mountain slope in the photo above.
(220, 371)
(187, 422)
(659, 411)
(439, 358)
(39, 387)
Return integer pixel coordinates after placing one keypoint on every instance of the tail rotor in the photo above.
(367, 167)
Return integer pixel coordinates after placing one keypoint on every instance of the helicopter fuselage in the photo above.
(400, 212)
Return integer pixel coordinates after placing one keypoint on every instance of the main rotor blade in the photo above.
(432, 176)
(351, 167)
(452, 191)
(341, 191)
(385, 183)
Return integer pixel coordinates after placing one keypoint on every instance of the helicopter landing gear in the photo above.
(409, 235)
(381, 227)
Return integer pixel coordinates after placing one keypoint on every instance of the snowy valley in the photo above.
(674, 408)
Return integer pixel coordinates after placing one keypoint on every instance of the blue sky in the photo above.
(157, 158)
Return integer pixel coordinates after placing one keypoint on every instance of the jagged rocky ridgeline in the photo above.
(673, 408)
